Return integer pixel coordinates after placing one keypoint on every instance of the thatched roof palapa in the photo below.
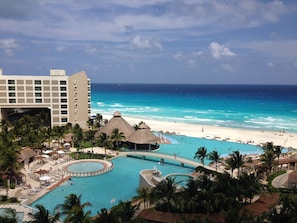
(143, 135)
(116, 122)
(26, 154)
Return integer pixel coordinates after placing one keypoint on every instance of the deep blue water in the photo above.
(239, 106)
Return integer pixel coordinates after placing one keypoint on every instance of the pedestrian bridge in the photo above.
(164, 157)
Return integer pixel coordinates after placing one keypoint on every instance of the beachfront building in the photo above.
(67, 99)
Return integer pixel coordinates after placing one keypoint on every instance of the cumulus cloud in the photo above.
(197, 53)
(178, 56)
(147, 44)
(8, 46)
(218, 51)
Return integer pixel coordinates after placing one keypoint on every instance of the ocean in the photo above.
(239, 106)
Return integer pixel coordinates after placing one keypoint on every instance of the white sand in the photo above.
(256, 137)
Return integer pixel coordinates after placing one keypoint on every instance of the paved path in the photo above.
(163, 156)
(281, 181)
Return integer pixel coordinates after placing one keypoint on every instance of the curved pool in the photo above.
(88, 166)
(180, 179)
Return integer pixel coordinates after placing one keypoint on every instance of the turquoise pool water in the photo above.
(181, 179)
(186, 147)
(85, 166)
(120, 184)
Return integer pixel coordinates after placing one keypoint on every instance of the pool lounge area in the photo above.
(120, 184)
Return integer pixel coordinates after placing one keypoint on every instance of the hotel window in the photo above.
(63, 100)
(62, 82)
(64, 120)
(63, 94)
(63, 89)
(38, 94)
(64, 112)
(11, 88)
(12, 100)
(37, 88)
(37, 82)
(63, 106)
(11, 94)
(38, 100)
(11, 82)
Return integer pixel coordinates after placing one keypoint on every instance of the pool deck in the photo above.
(33, 188)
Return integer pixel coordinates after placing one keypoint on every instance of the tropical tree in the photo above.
(116, 137)
(165, 194)
(250, 186)
(237, 161)
(98, 120)
(215, 157)
(43, 215)
(104, 141)
(267, 158)
(201, 154)
(9, 216)
(104, 216)
(73, 209)
(124, 211)
(143, 193)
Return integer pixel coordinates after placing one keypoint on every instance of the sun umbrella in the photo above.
(41, 171)
(44, 178)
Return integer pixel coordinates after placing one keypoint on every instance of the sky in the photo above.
(152, 41)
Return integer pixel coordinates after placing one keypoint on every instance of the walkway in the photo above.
(168, 157)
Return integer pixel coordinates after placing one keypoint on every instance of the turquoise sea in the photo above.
(239, 106)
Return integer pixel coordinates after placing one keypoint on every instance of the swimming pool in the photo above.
(186, 147)
(85, 166)
(181, 179)
(120, 184)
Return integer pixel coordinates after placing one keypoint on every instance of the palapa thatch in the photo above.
(116, 122)
(26, 154)
(292, 179)
(143, 135)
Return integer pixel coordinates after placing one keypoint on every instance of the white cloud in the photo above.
(8, 46)
(197, 53)
(148, 44)
(178, 56)
(218, 51)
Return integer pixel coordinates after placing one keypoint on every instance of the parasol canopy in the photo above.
(44, 178)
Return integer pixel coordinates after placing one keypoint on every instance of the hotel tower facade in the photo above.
(66, 98)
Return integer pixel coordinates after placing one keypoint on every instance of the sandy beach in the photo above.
(257, 137)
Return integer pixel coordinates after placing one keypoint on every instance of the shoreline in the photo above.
(239, 135)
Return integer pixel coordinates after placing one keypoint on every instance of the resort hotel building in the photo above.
(66, 99)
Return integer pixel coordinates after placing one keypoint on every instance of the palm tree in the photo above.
(237, 160)
(143, 193)
(124, 211)
(9, 216)
(164, 193)
(201, 154)
(278, 151)
(215, 157)
(42, 215)
(73, 209)
(117, 137)
(104, 216)
(104, 141)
